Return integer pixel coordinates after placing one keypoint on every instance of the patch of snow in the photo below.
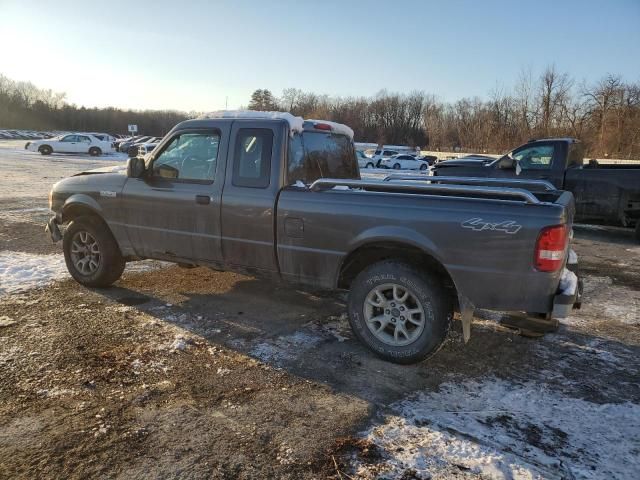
(295, 123)
(285, 348)
(21, 271)
(500, 429)
(606, 302)
(336, 127)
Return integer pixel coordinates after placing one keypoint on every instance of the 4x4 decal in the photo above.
(478, 224)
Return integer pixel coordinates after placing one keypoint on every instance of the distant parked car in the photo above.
(404, 162)
(363, 160)
(381, 154)
(124, 146)
(430, 159)
(70, 143)
(146, 148)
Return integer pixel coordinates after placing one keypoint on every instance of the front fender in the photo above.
(81, 200)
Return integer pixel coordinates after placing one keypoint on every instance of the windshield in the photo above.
(314, 155)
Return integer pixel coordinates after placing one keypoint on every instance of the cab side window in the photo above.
(537, 157)
(252, 158)
(189, 156)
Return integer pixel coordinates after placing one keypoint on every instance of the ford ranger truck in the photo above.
(272, 195)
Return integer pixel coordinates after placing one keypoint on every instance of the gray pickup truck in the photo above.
(278, 197)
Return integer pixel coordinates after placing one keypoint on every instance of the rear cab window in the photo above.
(314, 155)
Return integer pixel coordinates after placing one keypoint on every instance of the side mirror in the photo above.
(166, 171)
(507, 163)
(135, 167)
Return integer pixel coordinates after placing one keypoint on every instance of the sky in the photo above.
(203, 55)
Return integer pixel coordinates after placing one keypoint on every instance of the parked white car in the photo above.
(364, 161)
(380, 155)
(404, 162)
(70, 143)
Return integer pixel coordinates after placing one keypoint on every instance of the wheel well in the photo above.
(77, 210)
(45, 145)
(369, 254)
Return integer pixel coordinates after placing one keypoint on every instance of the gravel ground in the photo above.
(190, 373)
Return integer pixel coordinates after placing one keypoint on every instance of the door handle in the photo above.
(203, 199)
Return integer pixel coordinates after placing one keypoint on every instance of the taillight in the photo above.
(551, 248)
(322, 126)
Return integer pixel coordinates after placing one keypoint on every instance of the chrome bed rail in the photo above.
(473, 180)
(429, 189)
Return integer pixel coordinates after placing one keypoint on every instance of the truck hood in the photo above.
(119, 169)
(105, 178)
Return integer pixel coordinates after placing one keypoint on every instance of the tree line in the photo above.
(605, 114)
(25, 106)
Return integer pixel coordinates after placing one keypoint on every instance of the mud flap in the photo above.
(466, 315)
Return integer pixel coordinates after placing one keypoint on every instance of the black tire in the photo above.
(95, 152)
(45, 150)
(369, 165)
(396, 166)
(423, 167)
(111, 263)
(435, 301)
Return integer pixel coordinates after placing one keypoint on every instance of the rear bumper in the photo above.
(53, 230)
(570, 290)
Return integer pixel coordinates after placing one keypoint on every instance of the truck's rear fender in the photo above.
(389, 242)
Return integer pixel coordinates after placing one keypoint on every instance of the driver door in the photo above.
(68, 144)
(173, 211)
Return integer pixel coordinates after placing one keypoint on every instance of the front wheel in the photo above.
(91, 253)
(423, 167)
(369, 165)
(399, 312)
(396, 166)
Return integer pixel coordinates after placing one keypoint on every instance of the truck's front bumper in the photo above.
(570, 297)
(53, 230)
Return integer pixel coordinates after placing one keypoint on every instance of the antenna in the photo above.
(226, 101)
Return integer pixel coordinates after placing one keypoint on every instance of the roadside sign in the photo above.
(133, 128)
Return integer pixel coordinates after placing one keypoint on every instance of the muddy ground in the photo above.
(190, 373)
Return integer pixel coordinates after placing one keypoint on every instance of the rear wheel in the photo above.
(396, 166)
(91, 253)
(399, 312)
(95, 151)
(45, 150)
(369, 165)
(423, 167)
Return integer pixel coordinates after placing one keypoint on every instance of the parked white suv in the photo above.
(404, 162)
(71, 143)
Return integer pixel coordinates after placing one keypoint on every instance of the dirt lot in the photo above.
(190, 373)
